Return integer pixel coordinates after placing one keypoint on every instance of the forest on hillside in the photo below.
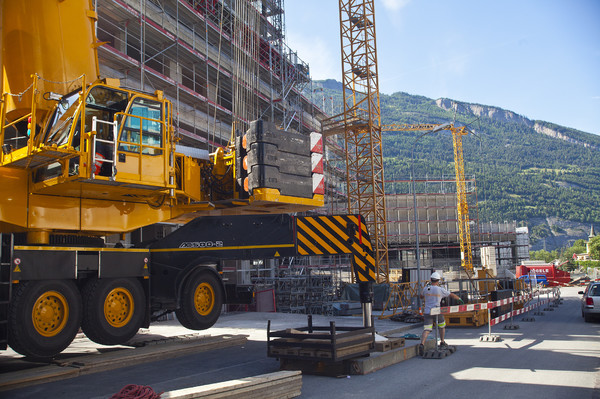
(521, 174)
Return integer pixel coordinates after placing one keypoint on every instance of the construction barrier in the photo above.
(517, 312)
(401, 295)
(486, 305)
(555, 292)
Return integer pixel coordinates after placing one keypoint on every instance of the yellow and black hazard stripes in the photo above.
(331, 235)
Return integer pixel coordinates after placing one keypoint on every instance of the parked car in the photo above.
(590, 302)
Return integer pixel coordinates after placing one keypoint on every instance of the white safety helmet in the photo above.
(435, 276)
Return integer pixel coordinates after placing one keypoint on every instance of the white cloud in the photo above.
(395, 5)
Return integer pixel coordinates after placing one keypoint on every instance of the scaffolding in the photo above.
(307, 285)
(336, 193)
(220, 61)
(439, 235)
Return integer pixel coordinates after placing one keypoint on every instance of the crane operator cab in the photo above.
(90, 157)
(115, 140)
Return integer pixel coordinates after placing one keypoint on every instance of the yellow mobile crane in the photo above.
(83, 157)
(466, 258)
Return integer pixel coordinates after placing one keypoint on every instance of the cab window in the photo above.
(103, 97)
(143, 129)
(103, 102)
(60, 123)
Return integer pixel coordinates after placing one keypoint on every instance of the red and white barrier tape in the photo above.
(462, 308)
(517, 312)
(487, 305)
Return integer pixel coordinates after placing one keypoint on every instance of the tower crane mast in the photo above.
(360, 123)
(466, 255)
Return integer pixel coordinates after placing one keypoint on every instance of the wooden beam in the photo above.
(281, 384)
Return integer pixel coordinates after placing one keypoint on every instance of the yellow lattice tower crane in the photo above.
(466, 254)
(360, 124)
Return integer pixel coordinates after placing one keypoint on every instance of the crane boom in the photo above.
(466, 258)
(410, 127)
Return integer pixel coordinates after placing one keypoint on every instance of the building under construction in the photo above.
(500, 246)
(220, 62)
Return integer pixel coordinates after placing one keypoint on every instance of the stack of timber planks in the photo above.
(281, 384)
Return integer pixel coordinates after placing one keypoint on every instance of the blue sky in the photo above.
(538, 58)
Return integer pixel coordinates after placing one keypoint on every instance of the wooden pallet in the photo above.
(345, 352)
(317, 343)
(383, 346)
(390, 344)
(80, 365)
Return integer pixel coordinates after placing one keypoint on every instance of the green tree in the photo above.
(569, 266)
(595, 247)
(544, 255)
(585, 264)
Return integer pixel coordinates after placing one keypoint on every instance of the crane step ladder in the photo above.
(98, 160)
(6, 245)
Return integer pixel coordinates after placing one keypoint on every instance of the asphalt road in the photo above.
(557, 356)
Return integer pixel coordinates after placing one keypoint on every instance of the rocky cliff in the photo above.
(503, 115)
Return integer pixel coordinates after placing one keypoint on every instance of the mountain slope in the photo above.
(534, 172)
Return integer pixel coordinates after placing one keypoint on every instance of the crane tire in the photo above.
(113, 309)
(44, 317)
(201, 300)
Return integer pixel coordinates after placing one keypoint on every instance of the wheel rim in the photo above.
(204, 299)
(50, 313)
(118, 307)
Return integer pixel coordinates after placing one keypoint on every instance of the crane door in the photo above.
(141, 146)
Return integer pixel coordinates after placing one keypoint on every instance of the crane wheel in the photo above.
(113, 309)
(200, 302)
(44, 317)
